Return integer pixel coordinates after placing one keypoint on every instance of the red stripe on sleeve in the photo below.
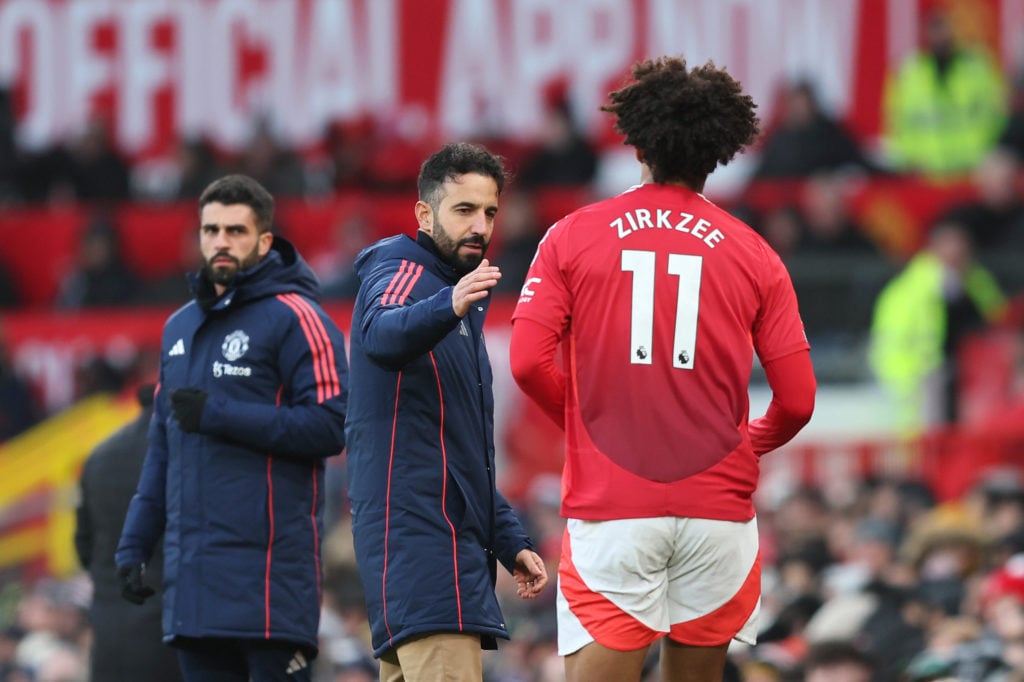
(333, 384)
(412, 282)
(397, 282)
(318, 355)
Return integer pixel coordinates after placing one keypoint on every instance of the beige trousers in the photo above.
(436, 657)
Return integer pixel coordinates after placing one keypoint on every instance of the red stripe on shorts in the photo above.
(722, 624)
(609, 625)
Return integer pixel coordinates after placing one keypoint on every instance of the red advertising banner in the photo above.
(160, 69)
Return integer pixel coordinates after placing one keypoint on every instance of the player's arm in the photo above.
(532, 357)
(793, 385)
(312, 363)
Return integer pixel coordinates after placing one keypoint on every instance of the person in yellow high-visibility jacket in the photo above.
(945, 107)
(920, 317)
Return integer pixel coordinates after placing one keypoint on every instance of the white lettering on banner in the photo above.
(605, 33)
(29, 22)
(227, 115)
(278, 98)
(539, 30)
(88, 71)
(761, 41)
(192, 54)
(472, 73)
(334, 63)
(144, 70)
(190, 67)
(382, 50)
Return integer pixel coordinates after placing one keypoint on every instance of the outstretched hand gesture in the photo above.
(473, 286)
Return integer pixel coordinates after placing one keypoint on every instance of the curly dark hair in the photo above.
(452, 160)
(684, 123)
(241, 189)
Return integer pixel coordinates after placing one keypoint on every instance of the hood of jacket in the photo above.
(281, 271)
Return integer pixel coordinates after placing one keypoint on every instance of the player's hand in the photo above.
(132, 587)
(473, 286)
(530, 574)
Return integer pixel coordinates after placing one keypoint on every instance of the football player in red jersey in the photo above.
(659, 299)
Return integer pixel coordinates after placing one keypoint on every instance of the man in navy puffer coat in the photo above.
(251, 401)
(428, 521)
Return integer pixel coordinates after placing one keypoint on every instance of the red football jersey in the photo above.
(660, 298)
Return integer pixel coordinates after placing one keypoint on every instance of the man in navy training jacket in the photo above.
(251, 401)
(428, 522)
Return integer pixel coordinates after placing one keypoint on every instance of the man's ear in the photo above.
(265, 240)
(425, 217)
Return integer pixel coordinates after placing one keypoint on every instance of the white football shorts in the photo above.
(628, 582)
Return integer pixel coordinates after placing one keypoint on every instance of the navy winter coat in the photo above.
(427, 519)
(241, 501)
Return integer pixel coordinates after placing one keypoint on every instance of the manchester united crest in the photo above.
(235, 345)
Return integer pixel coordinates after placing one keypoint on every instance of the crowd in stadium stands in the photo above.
(879, 583)
(874, 582)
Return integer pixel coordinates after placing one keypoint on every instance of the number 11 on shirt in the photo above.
(688, 269)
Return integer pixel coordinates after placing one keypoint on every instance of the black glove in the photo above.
(187, 404)
(132, 588)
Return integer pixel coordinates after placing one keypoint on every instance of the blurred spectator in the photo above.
(96, 169)
(8, 150)
(945, 106)
(349, 145)
(807, 141)
(52, 615)
(781, 227)
(197, 167)
(996, 219)
(9, 296)
(837, 661)
(18, 407)
(827, 226)
(100, 276)
(273, 165)
(173, 288)
(520, 233)
(127, 638)
(345, 650)
(335, 264)
(920, 318)
(563, 155)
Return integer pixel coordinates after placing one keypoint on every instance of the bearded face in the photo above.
(462, 254)
(222, 268)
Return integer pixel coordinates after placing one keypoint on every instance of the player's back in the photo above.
(666, 295)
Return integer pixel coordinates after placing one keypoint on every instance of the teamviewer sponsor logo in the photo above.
(221, 369)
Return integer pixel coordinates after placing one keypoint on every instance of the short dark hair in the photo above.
(455, 159)
(683, 122)
(241, 189)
